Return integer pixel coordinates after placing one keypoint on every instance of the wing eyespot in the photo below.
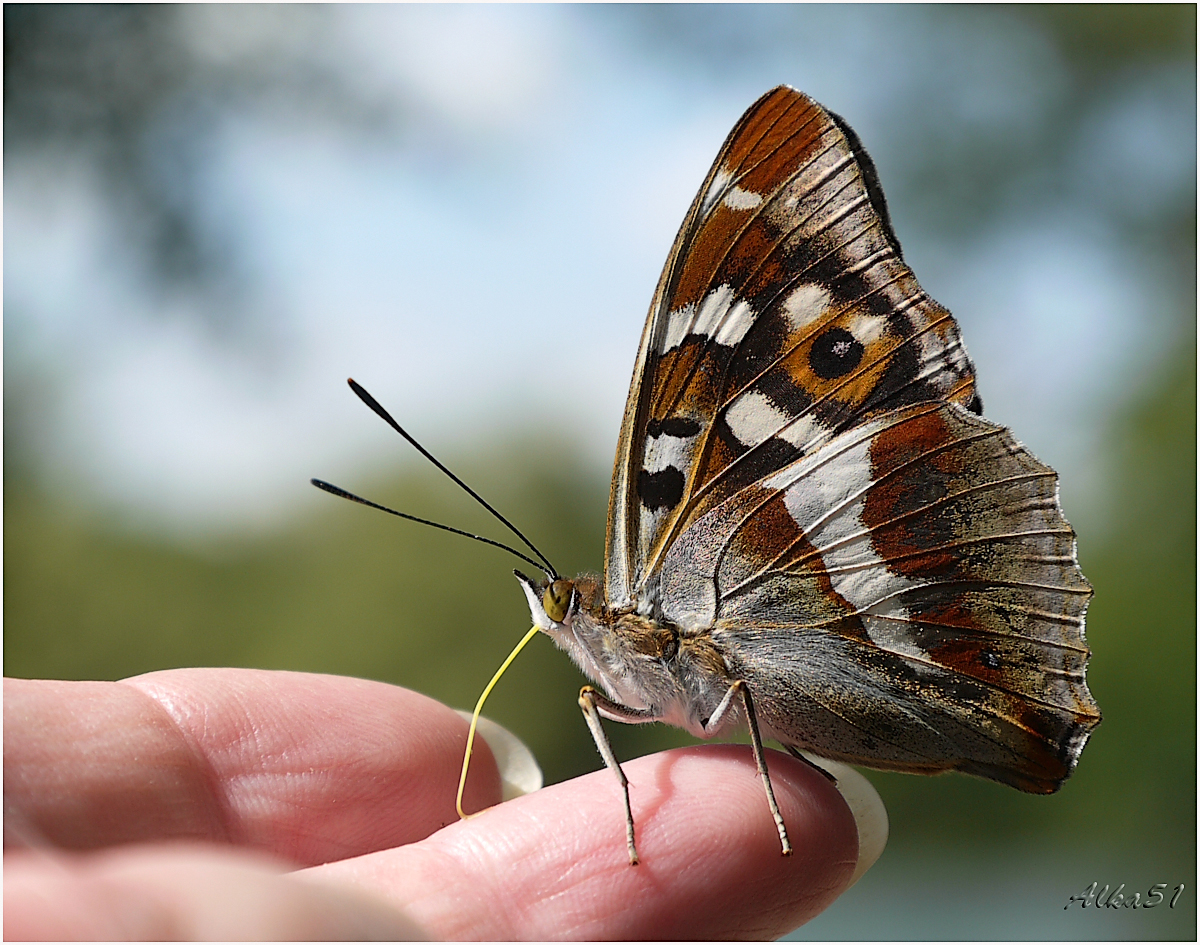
(835, 353)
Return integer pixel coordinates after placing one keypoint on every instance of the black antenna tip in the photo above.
(329, 487)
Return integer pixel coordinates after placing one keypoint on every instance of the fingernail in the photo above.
(870, 816)
(519, 771)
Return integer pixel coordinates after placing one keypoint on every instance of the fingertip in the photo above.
(866, 806)
(519, 771)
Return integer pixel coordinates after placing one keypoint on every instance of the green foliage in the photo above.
(1097, 35)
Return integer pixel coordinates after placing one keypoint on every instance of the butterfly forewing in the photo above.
(785, 314)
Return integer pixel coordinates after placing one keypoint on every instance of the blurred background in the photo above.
(215, 214)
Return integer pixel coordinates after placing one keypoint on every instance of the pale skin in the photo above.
(227, 804)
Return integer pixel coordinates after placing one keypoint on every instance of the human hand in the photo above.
(235, 804)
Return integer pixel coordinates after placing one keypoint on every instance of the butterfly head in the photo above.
(552, 603)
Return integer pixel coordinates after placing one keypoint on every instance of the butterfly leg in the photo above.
(739, 688)
(593, 704)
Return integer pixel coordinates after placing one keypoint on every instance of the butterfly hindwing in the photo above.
(915, 568)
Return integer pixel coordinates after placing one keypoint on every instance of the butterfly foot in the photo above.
(784, 842)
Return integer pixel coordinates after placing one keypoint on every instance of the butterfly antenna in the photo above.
(342, 493)
(371, 402)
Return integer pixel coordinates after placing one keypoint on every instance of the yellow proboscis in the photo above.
(462, 781)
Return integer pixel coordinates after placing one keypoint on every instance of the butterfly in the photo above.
(813, 532)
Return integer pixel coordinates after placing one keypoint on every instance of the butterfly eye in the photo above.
(557, 600)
